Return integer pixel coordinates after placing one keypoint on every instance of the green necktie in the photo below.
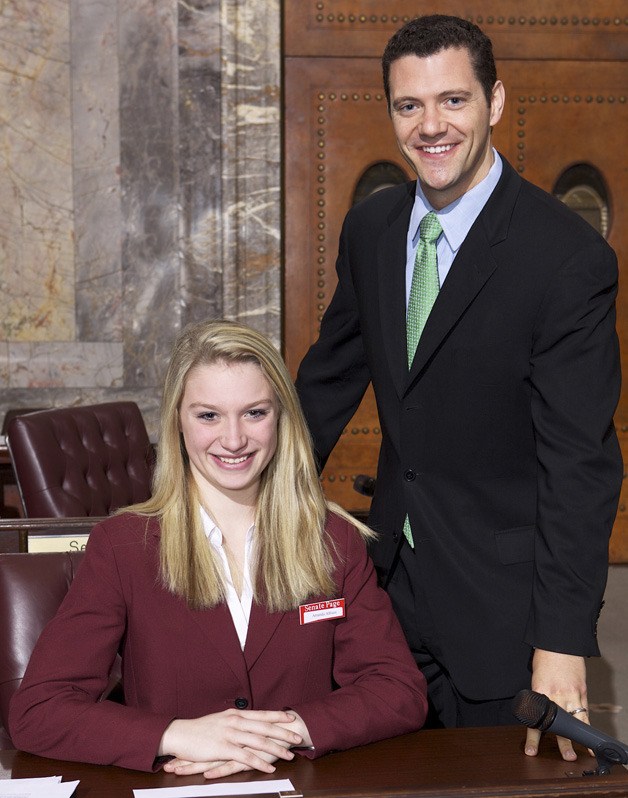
(423, 293)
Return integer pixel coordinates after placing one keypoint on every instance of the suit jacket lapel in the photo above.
(472, 267)
(391, 262)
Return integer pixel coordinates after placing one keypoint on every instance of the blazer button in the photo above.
(409, 475)
(241, 703)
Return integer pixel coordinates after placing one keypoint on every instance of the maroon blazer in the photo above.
(352, 680)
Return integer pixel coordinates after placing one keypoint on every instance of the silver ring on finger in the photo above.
(577, 710)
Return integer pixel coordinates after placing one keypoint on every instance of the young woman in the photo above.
(245, 608)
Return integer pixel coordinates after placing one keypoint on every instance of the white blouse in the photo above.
(239, 606)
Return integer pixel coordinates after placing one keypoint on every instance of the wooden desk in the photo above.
(447, 763)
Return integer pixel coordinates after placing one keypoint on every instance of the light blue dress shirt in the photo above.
(455, 219)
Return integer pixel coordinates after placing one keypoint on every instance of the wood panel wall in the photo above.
(563, 65)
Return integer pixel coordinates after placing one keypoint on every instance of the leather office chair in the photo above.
(7, 476)
(12, 412)
(81, 461)
(32, 587)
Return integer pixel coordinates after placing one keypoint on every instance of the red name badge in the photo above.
(321, 611)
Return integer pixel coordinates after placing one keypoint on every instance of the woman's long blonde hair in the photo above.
(294, 561)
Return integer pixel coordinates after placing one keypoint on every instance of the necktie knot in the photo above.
(430, 228)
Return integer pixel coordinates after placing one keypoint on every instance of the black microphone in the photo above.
(537, 711)
(364, 484)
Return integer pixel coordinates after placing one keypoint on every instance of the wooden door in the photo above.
(565, 122)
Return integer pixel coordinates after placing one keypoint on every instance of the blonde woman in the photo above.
(245, 607)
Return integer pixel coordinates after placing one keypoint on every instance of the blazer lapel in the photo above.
(262, 626)
(216, 625)
(391, 267)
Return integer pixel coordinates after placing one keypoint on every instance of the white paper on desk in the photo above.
(50, 787)
(205, 790)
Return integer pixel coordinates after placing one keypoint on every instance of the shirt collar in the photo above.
(457, 218)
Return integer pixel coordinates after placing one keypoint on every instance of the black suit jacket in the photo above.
(499, 440)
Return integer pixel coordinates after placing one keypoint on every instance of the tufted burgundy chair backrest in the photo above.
(81, 461)
(32, 587)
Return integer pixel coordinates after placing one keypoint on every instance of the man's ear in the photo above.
(498, 99)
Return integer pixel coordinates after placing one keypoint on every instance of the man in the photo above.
(499, 470)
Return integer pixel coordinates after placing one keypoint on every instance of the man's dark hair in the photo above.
(432, 33)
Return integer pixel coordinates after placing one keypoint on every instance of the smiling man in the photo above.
(482, 311)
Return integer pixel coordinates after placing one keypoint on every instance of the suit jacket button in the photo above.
(241, 703)
(409, 475)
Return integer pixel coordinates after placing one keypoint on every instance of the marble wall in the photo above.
(139, 188)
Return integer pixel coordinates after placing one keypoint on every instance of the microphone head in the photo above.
(534, 709)
(364, 484)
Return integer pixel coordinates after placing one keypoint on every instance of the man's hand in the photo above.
(563, 679)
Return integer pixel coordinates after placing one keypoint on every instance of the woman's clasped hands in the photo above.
(232, 741)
